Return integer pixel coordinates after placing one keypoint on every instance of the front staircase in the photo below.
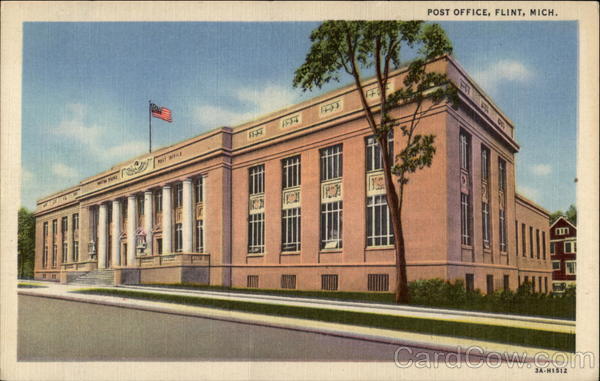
(95, 278)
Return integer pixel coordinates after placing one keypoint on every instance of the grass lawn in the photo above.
(530, 306)
(30, 285)
(508, 335)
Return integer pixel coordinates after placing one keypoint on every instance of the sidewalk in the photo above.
(425, 341)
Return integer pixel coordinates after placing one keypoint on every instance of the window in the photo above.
(546, 284)
(158, 201)
(524, 240)
(465, 220)
(291, 217)
(502, 228)
(290, 238)
(506, 283)
(501, 175)
(373, 152)
(178, 195)
(490, 284)
(485, 164)
(533, 283)
(290, 172)
(378, 282)
(256, 219)
(178, 237)
(470, 282)
(561, 231)
(199, 236)
(379, 226)
(485, 211)
(45, 258)
(537, 242)
(329, 282)
(531, 242)
(64, 226)
(54, 227)
(288, 281)
(256, 233)
(555, 265)
(159, 246)
(517, 238)
(76, 221)
(252, 281)
(331, 163)
(465, 152)
(331, 225)
(544, 244)
(75, 251)
(65, 255)
(257, 179)
(54, 255)
(45, 230)
(569, 247)
(199, 189)
(540, 284)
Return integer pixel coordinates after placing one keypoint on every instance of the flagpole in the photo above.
(149, 126)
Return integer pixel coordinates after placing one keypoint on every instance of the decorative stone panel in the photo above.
(331, 107)
(291, 198)
(257, 203)
(290, 121)
(375, 183)
(331, 191)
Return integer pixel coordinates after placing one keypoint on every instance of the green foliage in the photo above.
(570, 215)
(26, 244)
(502, 334)
(435, 293)
(445, 294)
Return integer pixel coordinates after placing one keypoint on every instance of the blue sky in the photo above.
(86, 88)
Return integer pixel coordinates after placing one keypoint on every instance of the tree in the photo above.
(570, 215)
(26, 244)
(354, 46)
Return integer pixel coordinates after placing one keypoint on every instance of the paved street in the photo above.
(59, 330)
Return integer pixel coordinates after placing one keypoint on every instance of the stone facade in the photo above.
(294, 200)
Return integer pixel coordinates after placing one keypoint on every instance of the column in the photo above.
(187, 217)
(131, 227)
(148, 202)
(116, 232)
(102, 236)
(166, 219)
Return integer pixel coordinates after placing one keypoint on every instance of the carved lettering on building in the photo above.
(256, 133)
(138, 168)
(169, 157)
(374, 92)
(331, 107)
(331, 191)
(291, 121)
(465, 87)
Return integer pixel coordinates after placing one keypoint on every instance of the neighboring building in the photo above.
(563, 252)
(296, 200)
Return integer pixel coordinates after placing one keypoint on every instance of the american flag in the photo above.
(161, 112)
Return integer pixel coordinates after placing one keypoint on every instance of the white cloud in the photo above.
(63, 170)
(528, 192)
(256, 102)
(503, 71)
(73, 125)
(541, 169)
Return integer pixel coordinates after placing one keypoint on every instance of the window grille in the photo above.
(329, 282)
(378, 282)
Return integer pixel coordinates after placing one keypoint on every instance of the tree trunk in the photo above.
(402, 295)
